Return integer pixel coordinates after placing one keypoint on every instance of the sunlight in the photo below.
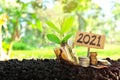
(106, 6)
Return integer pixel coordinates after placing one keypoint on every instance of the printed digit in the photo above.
(85, 39)
(80, 39)
(93, 39)
(98, 44)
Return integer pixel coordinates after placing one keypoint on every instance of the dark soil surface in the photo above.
(50, 69)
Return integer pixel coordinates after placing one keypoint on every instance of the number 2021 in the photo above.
(86, 39)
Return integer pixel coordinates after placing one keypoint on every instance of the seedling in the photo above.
(61, 37)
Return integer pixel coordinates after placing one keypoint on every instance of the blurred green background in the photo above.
(25, 34)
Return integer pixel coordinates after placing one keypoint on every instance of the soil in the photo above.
(50, 69)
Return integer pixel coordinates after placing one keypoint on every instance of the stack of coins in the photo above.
(84, 61)
(93, 58)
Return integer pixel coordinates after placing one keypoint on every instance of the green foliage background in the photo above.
(29, 21)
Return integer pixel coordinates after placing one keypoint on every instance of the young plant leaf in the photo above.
(53, 38)
(67, 24)
(53, 26)
(65, 39)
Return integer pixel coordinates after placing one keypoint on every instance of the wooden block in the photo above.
(90, 40)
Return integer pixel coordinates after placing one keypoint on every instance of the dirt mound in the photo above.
(50, 69)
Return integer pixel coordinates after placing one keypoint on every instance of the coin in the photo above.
(84, 61)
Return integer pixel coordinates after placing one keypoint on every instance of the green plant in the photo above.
(61, 37)
(21, 46)
(65, 51)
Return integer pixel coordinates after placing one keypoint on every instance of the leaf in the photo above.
(33, 26)
(53, 26)
(39, 25)
(53, 38)
(67, 24)
(70, 6)
(65, 39)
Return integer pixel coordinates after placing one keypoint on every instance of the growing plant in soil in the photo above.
(61, 37)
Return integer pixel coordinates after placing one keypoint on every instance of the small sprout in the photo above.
(65, 52)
